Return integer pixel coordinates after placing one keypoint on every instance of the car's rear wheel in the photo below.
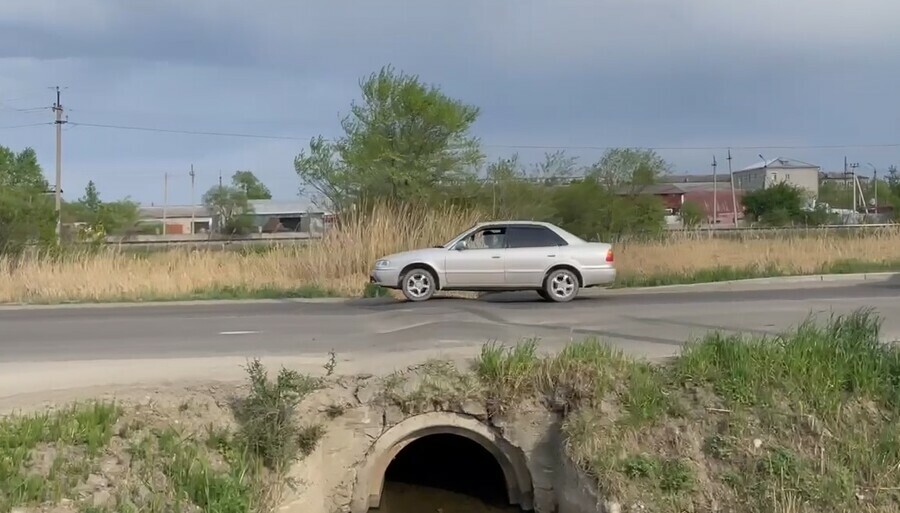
(561, 285)
(418, 284)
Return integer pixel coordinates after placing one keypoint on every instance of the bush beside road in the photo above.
(338, 265)
(802, 422)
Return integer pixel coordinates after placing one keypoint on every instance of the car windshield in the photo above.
(447, 244)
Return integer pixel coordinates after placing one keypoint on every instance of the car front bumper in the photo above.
(387, 278)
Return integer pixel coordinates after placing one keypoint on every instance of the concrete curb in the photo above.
(191, 302)
(774, 281)
(733, 285)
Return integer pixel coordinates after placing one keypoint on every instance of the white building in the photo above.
(779, 170)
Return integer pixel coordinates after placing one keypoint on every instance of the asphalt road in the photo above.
(644, 323)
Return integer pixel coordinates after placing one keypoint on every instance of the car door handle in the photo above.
(496, 256)
(551, 256)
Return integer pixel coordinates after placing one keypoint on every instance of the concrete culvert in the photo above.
(442, 462)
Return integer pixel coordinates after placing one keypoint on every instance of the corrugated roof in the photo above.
(156, 212)
(260, 207)
(656, 188)
(679, 179)
(779, 163)
(272, 208)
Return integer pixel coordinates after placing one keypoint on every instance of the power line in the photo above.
(25, 126)
(187, 132)
(17, 109)
(507, 146)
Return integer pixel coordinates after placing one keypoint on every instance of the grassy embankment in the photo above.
(100, 457)
(339, 264)
(801, 423)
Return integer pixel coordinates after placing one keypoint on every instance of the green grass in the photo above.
(47, 458)
(267, 420)
(806, 421)
(730, 273)
(71, 438)
(802, 422)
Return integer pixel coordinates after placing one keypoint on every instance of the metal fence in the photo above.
(266, 239)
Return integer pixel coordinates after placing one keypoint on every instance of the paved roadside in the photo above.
(54, 349)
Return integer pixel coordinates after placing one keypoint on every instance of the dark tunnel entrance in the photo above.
(446, 473)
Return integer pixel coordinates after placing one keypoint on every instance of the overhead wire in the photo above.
(506, 146)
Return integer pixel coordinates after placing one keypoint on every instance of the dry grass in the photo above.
(339, 264)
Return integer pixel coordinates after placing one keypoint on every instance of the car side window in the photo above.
(488, 238)
(533, 237)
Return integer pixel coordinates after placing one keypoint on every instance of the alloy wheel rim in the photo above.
(563, 285)
(418, 285)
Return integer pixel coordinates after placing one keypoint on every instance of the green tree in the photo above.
(102, 218)
(590, 210)
(253, 188)
(781, 205)
(21, 171)
(27, 213)
(692, 214)
(231, 208)
(405, 141)
(515, 191)
(91, 199)
(629, 169)
(893, 181)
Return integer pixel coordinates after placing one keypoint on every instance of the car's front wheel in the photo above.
(418, 284)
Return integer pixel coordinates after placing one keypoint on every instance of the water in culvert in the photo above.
(409, 498)
(444, 473)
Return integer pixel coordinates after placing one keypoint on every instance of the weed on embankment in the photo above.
(804, 422)
(103, 458)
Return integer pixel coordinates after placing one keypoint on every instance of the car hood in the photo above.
(416, 254)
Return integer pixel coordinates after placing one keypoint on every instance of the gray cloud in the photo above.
(557, 73)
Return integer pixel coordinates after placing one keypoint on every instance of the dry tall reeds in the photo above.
(341, 261)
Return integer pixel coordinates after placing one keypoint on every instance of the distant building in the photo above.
(271, 216)
(707, 179)
(714, 198)
(177, 219)
(779, 170)
(268, 216)
(841, 178)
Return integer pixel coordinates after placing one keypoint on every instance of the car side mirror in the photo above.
(459, 246)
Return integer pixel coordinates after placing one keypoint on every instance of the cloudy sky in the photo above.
(807, 79)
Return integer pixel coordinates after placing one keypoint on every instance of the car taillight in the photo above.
(609, 255)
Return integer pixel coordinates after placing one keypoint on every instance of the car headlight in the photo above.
(381, 264)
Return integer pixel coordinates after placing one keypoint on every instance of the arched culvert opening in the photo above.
(443, 472)
(431, 450)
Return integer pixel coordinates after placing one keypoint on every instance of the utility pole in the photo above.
(733, 199)
(875, 186)
(193, 209)
(165, 201)
(220, 178)
(715, 193)
(855, 185)
(852, 182)
(58, 110)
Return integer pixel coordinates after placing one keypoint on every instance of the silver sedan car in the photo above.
(501, 256)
